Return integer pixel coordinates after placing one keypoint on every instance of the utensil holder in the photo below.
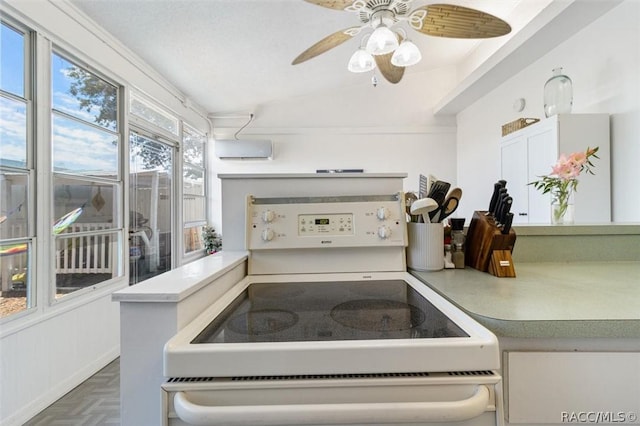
(426, 246)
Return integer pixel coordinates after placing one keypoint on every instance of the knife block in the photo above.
(485, 242)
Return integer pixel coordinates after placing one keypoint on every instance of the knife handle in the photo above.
(507, 223)
(494, 197)
(502, 194)
(506, 208)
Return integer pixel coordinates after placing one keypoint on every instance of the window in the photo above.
(152, 114)
(151, 188)
(81, 151)
(16, 174)
(194, 214)
(150, 206)
(87, 181)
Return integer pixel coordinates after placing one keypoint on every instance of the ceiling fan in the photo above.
(389, 49)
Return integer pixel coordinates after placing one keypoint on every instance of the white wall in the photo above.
(46, 352)
(44, 360)
(603, 61)
(389, 128)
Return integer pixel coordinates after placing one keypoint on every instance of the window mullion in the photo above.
(86, 123)
(43, 264)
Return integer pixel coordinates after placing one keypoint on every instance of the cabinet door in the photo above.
(538, 148)
(572, 387)
(542, 152)
(514, 170)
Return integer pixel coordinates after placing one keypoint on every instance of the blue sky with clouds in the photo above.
(77, 147)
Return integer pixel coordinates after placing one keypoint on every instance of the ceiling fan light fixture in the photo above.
(406, 54)
(361, 61)
(382, 41)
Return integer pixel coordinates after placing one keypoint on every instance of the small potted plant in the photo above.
(212, 240)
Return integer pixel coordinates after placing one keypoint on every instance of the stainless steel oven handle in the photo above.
(332, 414)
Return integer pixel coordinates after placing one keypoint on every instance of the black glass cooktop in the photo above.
(320, 311)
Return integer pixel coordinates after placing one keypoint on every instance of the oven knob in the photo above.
(384, 232)
(382, 213)
(268, 216)
(267, 235)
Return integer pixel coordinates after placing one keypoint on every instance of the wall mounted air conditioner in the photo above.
(243, 149)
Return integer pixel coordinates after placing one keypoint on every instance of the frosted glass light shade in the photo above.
(361, 61)
(406, 54)
(382, 41)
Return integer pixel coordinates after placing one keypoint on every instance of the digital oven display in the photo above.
(325, 224)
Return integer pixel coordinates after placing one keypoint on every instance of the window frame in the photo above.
(187, 128)
(118, 230)
(149, 130)
(32, 302)
(39, 46)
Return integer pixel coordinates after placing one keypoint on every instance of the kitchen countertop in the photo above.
(545, 300)
(572, 299)
(177, 284)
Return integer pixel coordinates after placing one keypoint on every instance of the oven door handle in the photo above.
(332, 414)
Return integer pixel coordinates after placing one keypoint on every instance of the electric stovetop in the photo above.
(347, 310)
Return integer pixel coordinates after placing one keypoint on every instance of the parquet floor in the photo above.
(94, 402)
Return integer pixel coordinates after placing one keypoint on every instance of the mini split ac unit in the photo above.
(243, 149)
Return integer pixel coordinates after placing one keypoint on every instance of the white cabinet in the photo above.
(531, 152)
(572, 387)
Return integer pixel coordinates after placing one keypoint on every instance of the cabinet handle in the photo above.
(522, 214)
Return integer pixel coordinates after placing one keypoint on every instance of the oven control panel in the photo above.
(325, 224)
(341, 221)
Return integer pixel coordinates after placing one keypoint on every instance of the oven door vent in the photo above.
(324, 376)
(471, 373)
(329, 376)
(192, 379)
(294, 377)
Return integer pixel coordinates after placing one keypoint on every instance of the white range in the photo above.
(328, 328)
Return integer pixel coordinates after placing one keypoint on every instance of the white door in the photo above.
(514, 171)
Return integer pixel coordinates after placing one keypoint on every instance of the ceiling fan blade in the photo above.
(325, 44)
(332, 4)
(389, 71)
(446, 20)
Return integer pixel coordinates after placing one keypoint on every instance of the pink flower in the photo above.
(567, 168)
(578, 158)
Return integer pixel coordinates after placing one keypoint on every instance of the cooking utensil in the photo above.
(438, 191)
(450, 203)
(409, 199)
(448, 206)
(425, 185)
(423, 207)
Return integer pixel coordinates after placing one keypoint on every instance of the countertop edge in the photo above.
(177, 284)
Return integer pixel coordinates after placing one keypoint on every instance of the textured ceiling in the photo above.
(234, 55)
